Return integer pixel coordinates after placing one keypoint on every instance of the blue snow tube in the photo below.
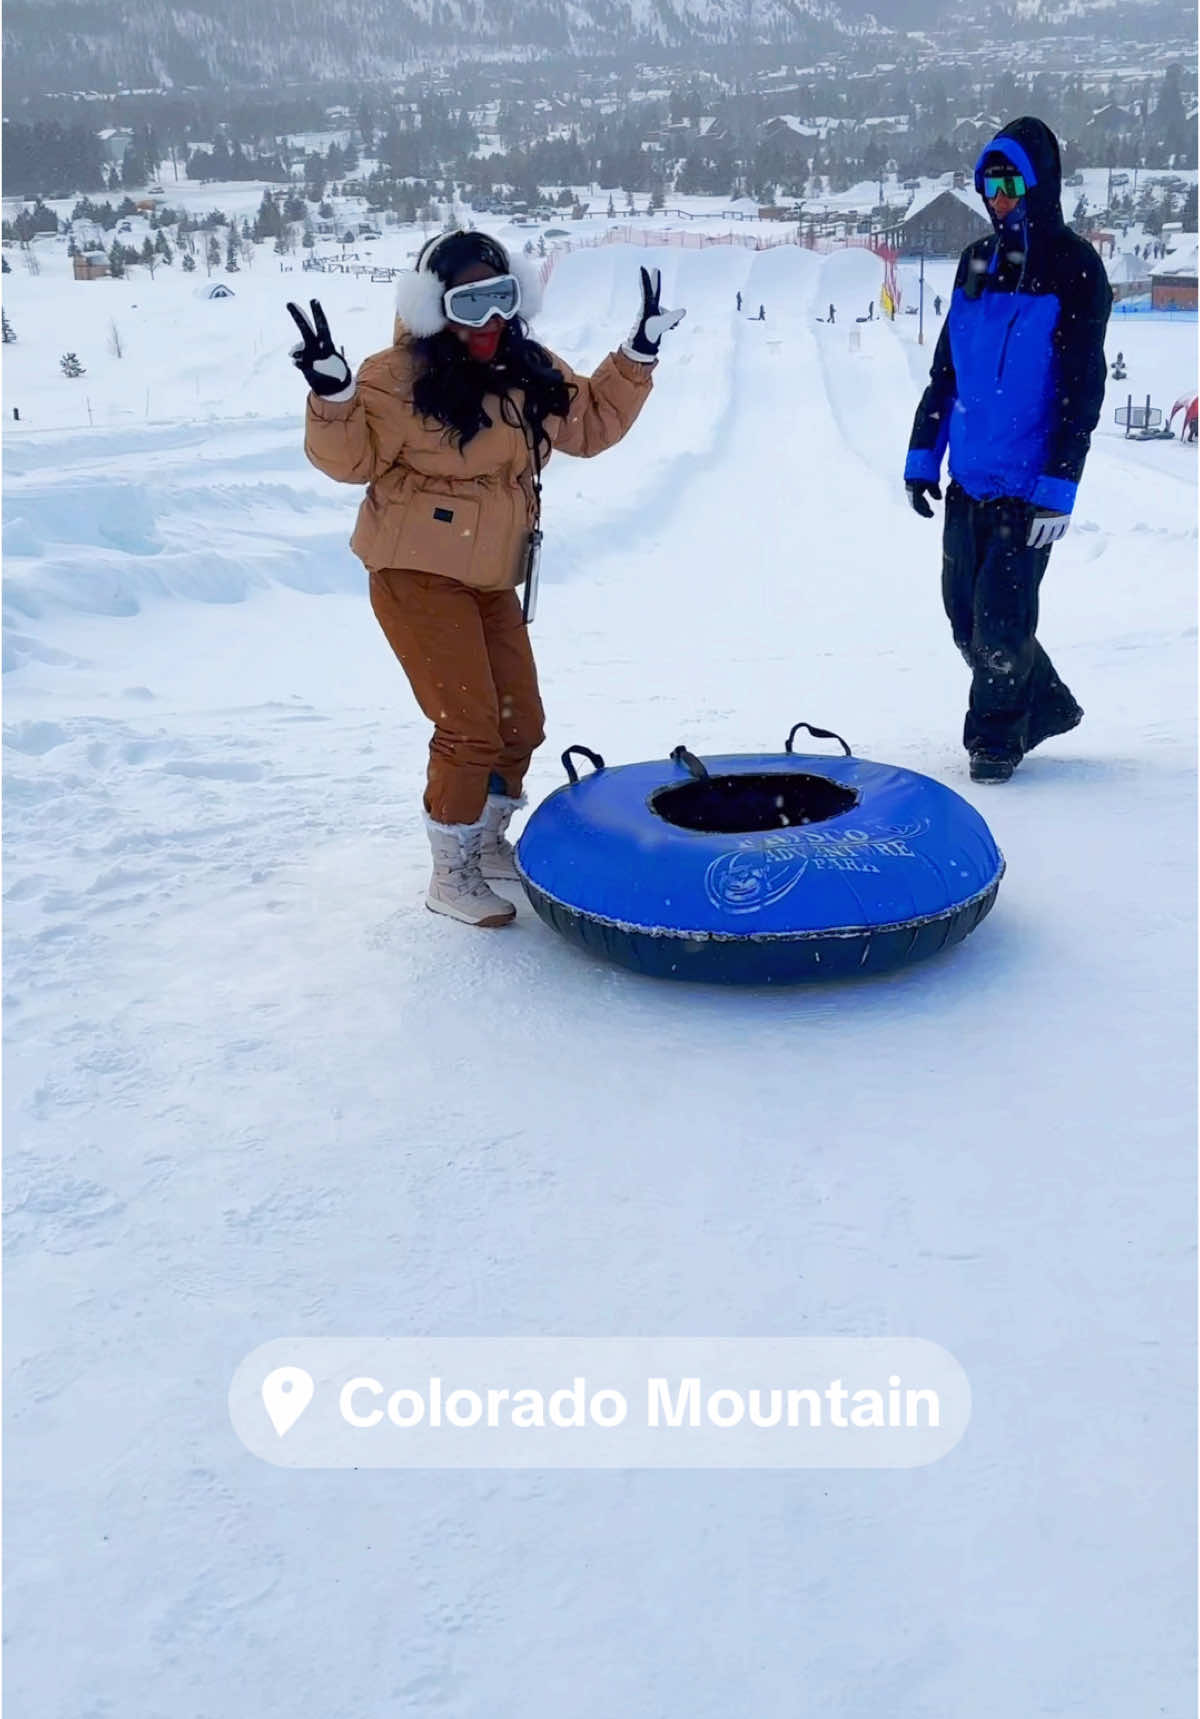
(758, 870)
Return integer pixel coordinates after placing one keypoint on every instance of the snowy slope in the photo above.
(254, 1089)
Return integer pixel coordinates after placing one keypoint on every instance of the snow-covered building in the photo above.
(1110, 120)
(115, 140)
(1174, 290)
(942, 222)
(1128, 276)
(975, 129)
(1173, 283)
(786, 125)
(90, 266)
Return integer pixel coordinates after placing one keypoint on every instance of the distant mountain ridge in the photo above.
(63, 45)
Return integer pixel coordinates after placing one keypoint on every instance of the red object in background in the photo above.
(1187, 404)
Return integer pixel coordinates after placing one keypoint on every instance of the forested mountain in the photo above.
(64, 45)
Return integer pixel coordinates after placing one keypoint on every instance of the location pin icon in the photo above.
(286, 1393)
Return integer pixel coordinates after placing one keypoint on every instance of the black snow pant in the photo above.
(990, 584)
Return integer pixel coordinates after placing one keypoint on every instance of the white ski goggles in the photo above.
(475, 303)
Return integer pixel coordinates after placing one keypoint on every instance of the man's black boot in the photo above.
(1060, 721)
(991, 767)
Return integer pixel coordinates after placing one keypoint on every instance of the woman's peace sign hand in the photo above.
(325, 370)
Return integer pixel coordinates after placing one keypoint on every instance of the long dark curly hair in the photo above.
(449, 386)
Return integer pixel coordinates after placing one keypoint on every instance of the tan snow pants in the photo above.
(467, 657)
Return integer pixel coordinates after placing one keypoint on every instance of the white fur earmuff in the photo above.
(419, 303)
(419, 294)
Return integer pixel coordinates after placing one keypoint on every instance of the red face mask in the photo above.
(484, 343)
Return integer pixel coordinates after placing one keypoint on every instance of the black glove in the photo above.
(653, 323)
(918, 489)
(325, 370)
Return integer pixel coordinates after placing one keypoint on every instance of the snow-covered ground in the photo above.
(256, 1090)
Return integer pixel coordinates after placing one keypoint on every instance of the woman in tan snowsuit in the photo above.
(449, 428)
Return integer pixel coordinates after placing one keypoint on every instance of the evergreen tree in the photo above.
(1170, 119)
(116, 260)
(49, 157)
(189, 262)
(8, 335)
(366, 125)
(30, 222)
(133, 167)
(70, 365)
(268, 223)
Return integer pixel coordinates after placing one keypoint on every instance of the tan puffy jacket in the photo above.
(433, 507)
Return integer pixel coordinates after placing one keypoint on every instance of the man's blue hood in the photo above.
(1032, 148)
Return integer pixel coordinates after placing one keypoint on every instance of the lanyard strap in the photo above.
(531, 442)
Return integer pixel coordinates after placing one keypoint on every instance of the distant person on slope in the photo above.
(1015, 391)
(449, 428)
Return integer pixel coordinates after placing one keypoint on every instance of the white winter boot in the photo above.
(497, 856)
(456, 887)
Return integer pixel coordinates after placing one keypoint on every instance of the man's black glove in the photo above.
(918, 489)
(325, 370)
(653, 323)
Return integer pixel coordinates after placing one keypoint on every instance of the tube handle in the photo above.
(818, 734)
(586, 752)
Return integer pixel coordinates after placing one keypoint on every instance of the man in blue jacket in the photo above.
(1015, 392)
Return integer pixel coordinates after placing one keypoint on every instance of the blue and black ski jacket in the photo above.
(1017, 381)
